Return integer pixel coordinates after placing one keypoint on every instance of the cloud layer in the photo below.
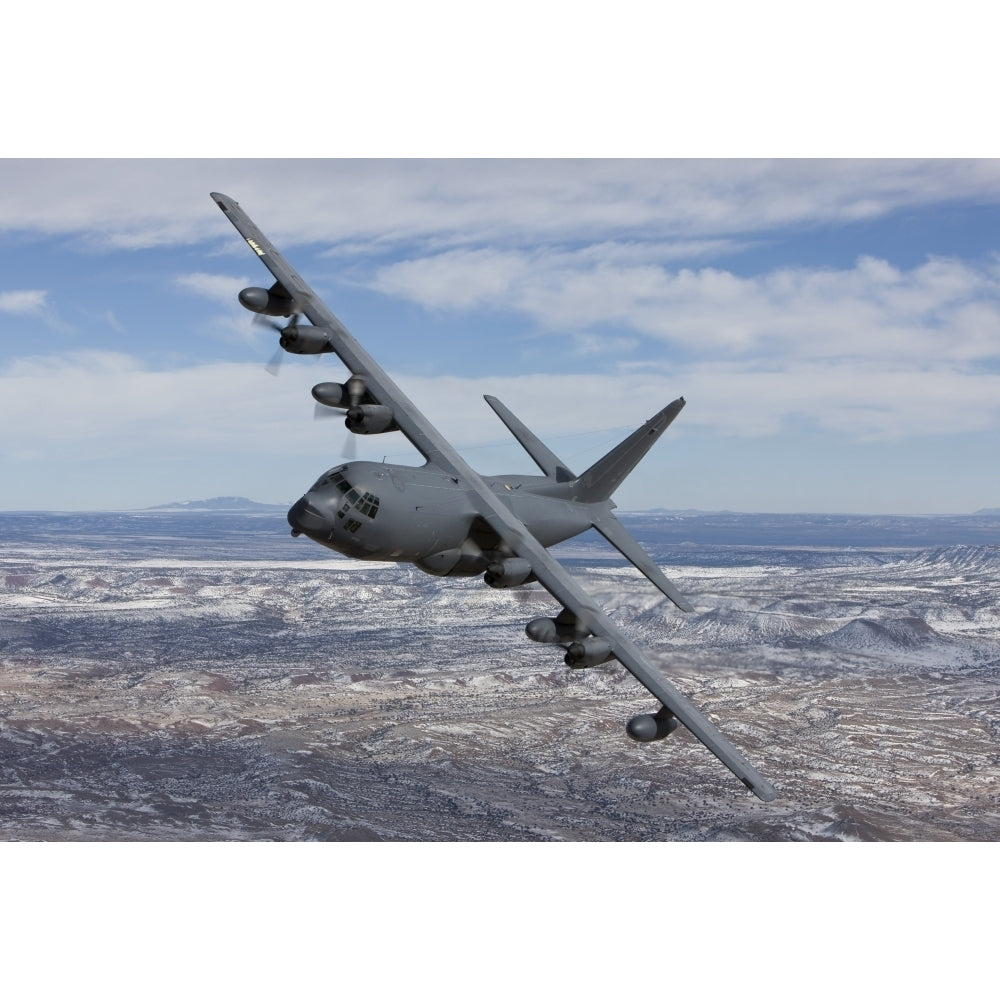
(604, 275)
(451, 203)
(942, 311)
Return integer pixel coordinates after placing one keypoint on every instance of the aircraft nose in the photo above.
(304, 516)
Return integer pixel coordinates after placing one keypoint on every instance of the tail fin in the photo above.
(608, 473)
(550, 463)
(601, 480)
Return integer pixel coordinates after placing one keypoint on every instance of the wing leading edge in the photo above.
(436, 449)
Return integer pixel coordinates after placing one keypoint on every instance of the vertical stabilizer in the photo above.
(608, 473)
(550, 463)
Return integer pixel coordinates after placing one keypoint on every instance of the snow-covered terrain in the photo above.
(185, 676)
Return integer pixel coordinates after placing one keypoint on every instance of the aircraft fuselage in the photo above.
(398, 513)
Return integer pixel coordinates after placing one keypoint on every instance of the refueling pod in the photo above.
(553, 629)
(646, 728)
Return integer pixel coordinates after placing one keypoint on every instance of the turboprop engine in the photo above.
(509, 573)
(588, 652)
(371, 419)
(362, 418)
(304, 339)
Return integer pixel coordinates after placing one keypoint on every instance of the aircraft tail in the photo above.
(550, 463)
(608, 473)
(601, 480)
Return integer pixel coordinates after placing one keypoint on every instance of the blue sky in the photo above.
(834, 325)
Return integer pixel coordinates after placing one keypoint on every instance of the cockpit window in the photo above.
(329, 477)
(368, 505)
(364, 503)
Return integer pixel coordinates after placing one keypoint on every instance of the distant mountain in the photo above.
(241, 504)
(988, 512)
(671, 512)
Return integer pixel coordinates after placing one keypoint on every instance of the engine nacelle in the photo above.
(588, 652)
(646, 728)
(509, 573)
(305, 340)
(371, 419)
(551, 630)
(267, 302)
(331, 394)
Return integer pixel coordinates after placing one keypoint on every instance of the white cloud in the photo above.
(101, 429)
(943, 310)
(107, 401)
(34, 304)
(219, 288)
(450, 203)
(104, 400)
(22, 303)
(866, 403)
(873, 350)
(458, 279)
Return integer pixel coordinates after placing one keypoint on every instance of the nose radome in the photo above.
(303, 516)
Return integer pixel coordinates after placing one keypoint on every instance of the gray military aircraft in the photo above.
(449, 521)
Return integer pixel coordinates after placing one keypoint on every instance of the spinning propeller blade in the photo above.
(273, 367)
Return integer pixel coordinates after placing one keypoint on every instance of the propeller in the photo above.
(355, 389)
(350, 446)
(273, 367)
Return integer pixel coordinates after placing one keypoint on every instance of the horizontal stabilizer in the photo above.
(607, 474)
(544, 458)
(617, 534)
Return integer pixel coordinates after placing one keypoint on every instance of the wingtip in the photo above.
(222, 200)
(764, 790)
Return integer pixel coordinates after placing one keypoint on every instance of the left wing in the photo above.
(433, 446)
